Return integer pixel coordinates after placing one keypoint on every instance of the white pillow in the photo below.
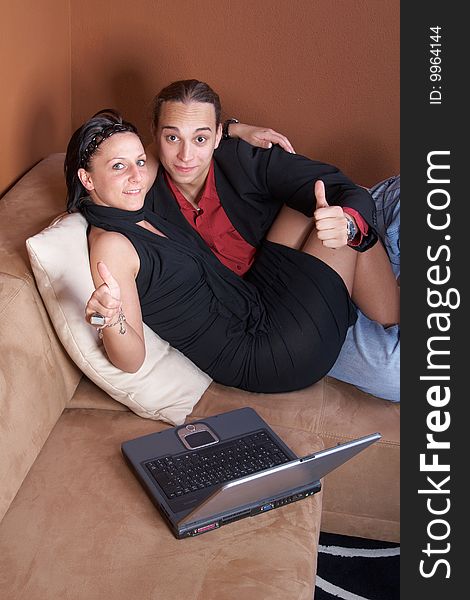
(166, 387)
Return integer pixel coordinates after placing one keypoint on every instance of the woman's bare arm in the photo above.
(114, 265)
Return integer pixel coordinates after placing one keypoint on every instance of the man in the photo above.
(370, 356)
(231, 195)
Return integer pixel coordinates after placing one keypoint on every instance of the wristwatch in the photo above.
(351, 227)
(225, 126)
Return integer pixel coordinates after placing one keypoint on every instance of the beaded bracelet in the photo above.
(120, 321)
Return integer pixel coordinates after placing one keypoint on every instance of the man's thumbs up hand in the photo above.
(320, 194)
(330, 221)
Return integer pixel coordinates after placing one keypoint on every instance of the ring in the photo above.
(97, 319)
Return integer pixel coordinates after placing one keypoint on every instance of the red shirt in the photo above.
(211, 222)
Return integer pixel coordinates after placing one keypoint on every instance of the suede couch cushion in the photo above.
(362, 497)
(167, 385)
(82, 527)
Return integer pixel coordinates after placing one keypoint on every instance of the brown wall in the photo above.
(325, 72)
(35, 103)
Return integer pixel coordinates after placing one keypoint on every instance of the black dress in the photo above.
(280, 328)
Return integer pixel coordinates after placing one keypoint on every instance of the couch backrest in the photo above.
(37, 378)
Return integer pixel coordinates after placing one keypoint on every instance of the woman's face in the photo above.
(117, 175)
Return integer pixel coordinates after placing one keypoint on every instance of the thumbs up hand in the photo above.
(110, 283)
(105, 300)
(330, 222)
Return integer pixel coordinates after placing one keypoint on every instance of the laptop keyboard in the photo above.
(183, 474)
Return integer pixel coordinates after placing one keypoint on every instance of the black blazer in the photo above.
(254, 183)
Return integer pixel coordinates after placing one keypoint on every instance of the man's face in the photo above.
(186, 138)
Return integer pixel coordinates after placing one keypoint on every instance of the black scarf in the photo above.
(236, 297)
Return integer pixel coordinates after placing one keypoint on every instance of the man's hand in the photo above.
(106, 299)
(330, 221)
(263, 137)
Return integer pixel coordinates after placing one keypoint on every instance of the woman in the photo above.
(278, 328)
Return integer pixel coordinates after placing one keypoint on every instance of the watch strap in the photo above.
(225, 126)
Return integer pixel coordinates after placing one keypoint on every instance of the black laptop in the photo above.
(212, 472)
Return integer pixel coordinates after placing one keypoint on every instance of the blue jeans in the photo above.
(370, 356)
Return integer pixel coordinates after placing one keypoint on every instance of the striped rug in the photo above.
(351, 568)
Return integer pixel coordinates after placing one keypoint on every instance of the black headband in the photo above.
(99, 138)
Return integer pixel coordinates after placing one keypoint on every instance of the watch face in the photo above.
(351, 229)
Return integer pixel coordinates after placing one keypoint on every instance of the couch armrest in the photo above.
(37, 379)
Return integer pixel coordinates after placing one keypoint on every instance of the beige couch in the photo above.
(75, 524)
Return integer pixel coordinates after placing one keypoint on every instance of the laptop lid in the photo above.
(277, 481)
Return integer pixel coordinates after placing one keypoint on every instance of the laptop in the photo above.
(209, 473)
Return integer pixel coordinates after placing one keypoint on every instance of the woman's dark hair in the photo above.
(186, 90)
(83, 144)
